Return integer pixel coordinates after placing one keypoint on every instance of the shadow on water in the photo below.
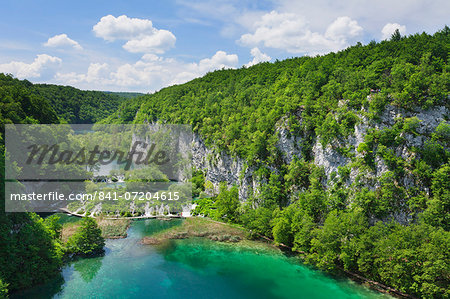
(87, 268)
(45, 291)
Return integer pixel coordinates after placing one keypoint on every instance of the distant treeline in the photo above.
(126, 95)
(69, 103)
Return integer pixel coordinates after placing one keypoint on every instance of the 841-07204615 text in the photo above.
(97, 195)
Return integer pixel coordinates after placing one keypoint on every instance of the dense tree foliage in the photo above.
(87, 240)
(3, 289)
(79, 106)
(237, 110)
(18, 104)
(30, 247)
(71, 104)
(29, 252)
(126, 95)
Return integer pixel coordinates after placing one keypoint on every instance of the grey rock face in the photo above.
(288, 144)
(330, 159)
(222, 167)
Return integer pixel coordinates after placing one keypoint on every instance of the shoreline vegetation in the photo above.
(111, 228)
(202, 227)
(198, 227)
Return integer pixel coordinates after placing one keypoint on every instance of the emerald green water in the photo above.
(192, 268)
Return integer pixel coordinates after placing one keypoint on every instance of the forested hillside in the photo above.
(30, 247)
(237, 109)
(71, 104)
(365, 187)
(29, 250)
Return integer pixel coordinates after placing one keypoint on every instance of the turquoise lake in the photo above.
(191, 268)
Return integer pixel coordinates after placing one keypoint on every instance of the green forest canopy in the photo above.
(237, 109)
(69, 103)
(30, 247)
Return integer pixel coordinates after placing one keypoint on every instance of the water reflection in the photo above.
(88, 268)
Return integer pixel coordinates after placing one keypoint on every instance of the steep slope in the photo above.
(344, 157)
(252, 122)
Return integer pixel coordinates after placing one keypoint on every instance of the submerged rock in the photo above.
(150, 241)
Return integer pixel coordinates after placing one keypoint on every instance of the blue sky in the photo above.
(146, 45)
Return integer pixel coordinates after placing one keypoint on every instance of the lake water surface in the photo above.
(191, 268)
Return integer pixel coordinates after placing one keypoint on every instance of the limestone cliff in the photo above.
(220, 166)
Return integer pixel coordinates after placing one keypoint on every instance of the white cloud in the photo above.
(140, 34)
(96, 72)
(159, 42)
(41, 65)
(150, 73)
(258, 57)
(111, 28)
(390, 28)
(343, 28)
(62, 40)
(290, 32)
(417, 15)
(218, 61)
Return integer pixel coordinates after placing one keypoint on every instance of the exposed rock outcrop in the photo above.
(222, 167)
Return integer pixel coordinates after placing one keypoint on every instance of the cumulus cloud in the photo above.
(41, 65)
(140, 34)
(343, 28)
(218, 61)
(159, 42)
(111, 28)
(390, 28)
(150, 73)
(258, 57)
(62, 40)
(290, 32)
(417, 15)
(158, 72)
(96, 72)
